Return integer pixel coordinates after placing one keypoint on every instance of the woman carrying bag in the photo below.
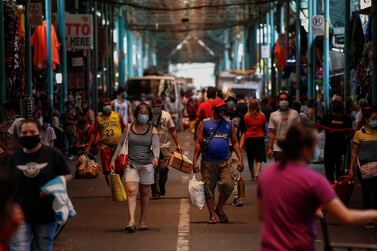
(143, 152)
(364, 152)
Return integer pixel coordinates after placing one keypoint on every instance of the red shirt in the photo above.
(255, 125)
(205, 110)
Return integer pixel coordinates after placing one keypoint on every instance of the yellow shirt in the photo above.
(110, 129)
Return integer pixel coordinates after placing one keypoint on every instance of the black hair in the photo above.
(32, 121)
(120, 90)
(138, 108)
(156, 100)
(11, 105)
(298, 136)
(367, 112)
(211, 92)
(220, 94)
(7, 188)
(296, 105)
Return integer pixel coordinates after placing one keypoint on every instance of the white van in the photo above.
(156, 86)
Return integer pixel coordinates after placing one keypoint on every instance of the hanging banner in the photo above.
(318, 25)
(35, 12)
(79, 30)
(266, 51)
(365, 4)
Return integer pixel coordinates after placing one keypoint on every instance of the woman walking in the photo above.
(254, 138)
(143, 153)
(364, 148)
(290, 194)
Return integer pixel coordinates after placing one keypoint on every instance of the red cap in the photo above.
(217, 103)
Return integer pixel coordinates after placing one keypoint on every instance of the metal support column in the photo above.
(298, 49)
(374, 34)
(95, 58)
(310, 50)
(50, 82)
(63, 54)
(326, 71)
(87, 63)
(267, 60)
(347, 49)
(281, 30)
(252, 45)
(121, 52)
(272, 44)
(2, 61)
(140, 56)
(28, 58)
(313, 55)
(287, 28)
(130, 63)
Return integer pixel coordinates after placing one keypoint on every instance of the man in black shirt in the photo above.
(339, 126)
(34, 165)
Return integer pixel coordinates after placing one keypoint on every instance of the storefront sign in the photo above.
(35, 12)
(318, 25)
(79, 29)
(266, 51)
(365, 4)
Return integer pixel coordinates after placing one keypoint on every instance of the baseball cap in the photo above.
(218, 103)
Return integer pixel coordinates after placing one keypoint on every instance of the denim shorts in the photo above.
(36, 237)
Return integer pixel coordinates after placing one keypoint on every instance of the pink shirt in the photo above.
(290, 196)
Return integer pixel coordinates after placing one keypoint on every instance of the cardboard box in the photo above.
(180, 162)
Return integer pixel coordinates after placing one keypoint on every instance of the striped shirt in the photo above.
(139, 146)
(367, 142)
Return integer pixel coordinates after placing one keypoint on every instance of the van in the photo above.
(156, 86)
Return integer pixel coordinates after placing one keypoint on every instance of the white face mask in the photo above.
(283, 105)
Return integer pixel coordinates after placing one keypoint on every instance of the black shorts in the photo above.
(255, 150)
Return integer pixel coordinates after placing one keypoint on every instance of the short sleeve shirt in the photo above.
(281, 122)
(163, 124)
(290, 196)
(255, 125)
(205, 110)
(48, 136)
(33, 171)
(337, 141)
(367, 142)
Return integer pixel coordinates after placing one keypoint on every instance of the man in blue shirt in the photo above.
(212, 141)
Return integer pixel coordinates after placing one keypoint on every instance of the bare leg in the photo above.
(132, 188)
(222, 200)
(144, 199)
(251, 167)
(258, 169)
(211, 208)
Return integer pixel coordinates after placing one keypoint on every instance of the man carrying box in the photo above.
(163, 121)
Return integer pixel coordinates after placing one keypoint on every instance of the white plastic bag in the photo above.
(196, 190)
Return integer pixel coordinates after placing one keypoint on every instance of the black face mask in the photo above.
(337, 109)
(29, 142)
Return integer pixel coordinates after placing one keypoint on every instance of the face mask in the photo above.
(142, 119)
(283, 105)
(156, 110)
(230, 105)
(29, 142)
(107, 109)
(337, 108)
(373, 124)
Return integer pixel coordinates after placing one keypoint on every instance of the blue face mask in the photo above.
(143, 118)
(373, 124)
(283, 105)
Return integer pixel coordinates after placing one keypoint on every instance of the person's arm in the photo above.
(242, 141)
(155, 147)
(355, 154)
(174, 135)
(130, 113)
(271, 140)
(349, 216)
(236, 147)
(92, 138)
(122, 125)
(91, 116)
(199, 139)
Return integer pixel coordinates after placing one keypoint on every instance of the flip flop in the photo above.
(143, 227)
(222, 217)
(211, 221)
(130, 229)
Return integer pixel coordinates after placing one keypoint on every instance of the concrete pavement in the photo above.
(173, 223)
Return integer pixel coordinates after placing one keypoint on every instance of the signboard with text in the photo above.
(318, 23)
(79, 30)
(266, 51)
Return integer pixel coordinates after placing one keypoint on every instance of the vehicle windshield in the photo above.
(150, 87)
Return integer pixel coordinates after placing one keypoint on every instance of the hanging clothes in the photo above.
(39, 43)
(357, 40)
(280, 51)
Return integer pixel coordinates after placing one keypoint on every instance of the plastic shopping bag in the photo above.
(196, 190)
(118, 194)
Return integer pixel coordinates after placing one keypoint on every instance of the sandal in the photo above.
(130, 229)
(212, 221)
(222, 217)
(143, 227)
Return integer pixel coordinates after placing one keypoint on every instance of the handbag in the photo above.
(118, 194)
(122, 160)
(344, 188)
(368, 170)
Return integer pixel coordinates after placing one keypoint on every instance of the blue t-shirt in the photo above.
(218, 146)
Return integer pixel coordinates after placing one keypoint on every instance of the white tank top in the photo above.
(122, 109)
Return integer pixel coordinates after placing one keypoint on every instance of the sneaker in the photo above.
(237, 202)
(155, 196)
(370, 225)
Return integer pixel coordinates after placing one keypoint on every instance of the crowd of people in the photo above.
(224, 127)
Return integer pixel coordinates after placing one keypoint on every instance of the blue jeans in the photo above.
(34, 237)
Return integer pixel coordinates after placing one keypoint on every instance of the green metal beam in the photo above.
(50, 81)
(298, 49)
(347, 49)
(95, 58)
(28, 55)
(310, 51)
(326, 70)
(374, 34)
(63, 54)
